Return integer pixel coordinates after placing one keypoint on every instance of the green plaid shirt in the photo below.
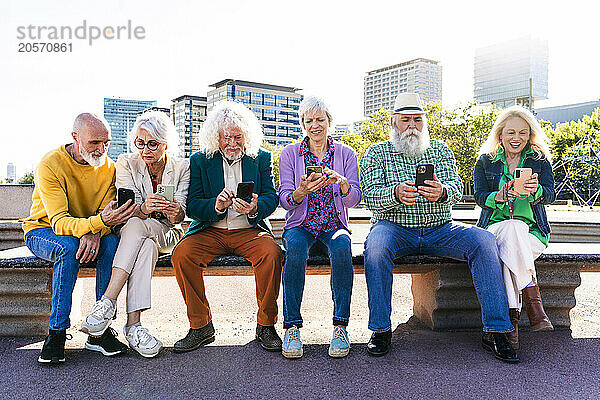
(383, 167)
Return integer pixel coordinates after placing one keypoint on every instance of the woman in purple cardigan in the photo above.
(317, 211)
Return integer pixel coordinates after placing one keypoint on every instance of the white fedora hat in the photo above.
(408, 103)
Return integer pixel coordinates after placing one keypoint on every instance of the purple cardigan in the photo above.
(292, 167)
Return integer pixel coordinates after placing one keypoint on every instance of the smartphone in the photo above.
(317, 169)
(244, 191)
(424, 173)
(166, 191)
(521, 175)
(123, 195)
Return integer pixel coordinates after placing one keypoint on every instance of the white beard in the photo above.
(408, 144)
(236, 157)
(94, 159)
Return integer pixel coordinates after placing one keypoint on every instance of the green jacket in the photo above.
(207, 181)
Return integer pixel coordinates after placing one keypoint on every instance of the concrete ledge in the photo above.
(443, 293)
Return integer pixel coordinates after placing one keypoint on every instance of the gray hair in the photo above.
(538, 140)
(230, 114)
(159, 126)
(90, 120)
(311, 105)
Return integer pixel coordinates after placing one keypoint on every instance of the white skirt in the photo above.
(518, 249)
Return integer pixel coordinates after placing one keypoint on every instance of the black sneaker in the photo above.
(53, 351)
(268, 338)
(106, 344)
(195, 338)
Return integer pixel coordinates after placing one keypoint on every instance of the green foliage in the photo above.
(566, 135)
(375, 129)
(26, 179)
(463, 129)
(275, 153)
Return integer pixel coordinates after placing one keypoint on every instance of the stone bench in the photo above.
(443, 293)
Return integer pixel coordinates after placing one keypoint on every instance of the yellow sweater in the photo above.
(69, 196)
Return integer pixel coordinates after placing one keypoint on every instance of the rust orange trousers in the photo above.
(191, 255)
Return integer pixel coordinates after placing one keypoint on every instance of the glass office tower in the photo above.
(513, 72)
(121, 115)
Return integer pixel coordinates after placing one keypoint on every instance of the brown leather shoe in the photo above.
(513, 337)
(538, 320)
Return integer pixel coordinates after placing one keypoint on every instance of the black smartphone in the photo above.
(244, 191)
(123, 195)
(317, 169)
(424, 173)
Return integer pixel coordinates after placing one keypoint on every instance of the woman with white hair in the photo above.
(318, 184)
(153, 229)
(516, 215)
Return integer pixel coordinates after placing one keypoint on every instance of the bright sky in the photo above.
(323, 47)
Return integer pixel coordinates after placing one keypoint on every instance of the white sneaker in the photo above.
(99, 318)
(142, 341)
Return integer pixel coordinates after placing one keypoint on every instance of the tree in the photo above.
(27, 179)
(567, 134)
(375, 129)
(275, 153)
(463, 129)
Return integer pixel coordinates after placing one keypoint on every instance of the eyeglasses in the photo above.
(151, 144)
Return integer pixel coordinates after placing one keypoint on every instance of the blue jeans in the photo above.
(61, 250)
(388, 240)
(297, 242)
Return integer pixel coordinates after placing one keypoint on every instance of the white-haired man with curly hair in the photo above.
(223, 223)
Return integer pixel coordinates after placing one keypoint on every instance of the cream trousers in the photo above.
(518, 249)
(141, 240)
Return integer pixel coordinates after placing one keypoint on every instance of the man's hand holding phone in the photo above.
(115, 216)
(406, 193)
(244, 207)
(224, 200)
(432, 190)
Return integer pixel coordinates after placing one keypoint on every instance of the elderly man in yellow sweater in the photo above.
(69, 224)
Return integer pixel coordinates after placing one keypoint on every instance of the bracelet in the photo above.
(146, 214)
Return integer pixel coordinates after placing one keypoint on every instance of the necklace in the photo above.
(71, 152)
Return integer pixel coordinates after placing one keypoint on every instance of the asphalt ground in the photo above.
(421, 365)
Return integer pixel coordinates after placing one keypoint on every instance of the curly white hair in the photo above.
(230, 114)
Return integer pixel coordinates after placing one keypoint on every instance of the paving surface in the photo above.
(422, 364)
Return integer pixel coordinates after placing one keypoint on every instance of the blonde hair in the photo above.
(228, 114)
(538, 140)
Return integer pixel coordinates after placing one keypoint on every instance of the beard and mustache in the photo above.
(412, 142)
(95, 159)
(238, 152)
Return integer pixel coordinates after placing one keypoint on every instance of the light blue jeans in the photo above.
(388, 240)
(297, 242)
(61, 250)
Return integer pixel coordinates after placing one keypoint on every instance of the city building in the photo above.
(513, 72)
(188, 112)
(121, 115)
(276, 107)
(567, 112)
(341, 130)
(357, 126)
(166, 110)
(381, 86)
(11, 172)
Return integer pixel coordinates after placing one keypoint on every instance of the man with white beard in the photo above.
(69, 224)
(224, 222)
(410, 220)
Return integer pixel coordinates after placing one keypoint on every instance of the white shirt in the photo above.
(232, 175)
